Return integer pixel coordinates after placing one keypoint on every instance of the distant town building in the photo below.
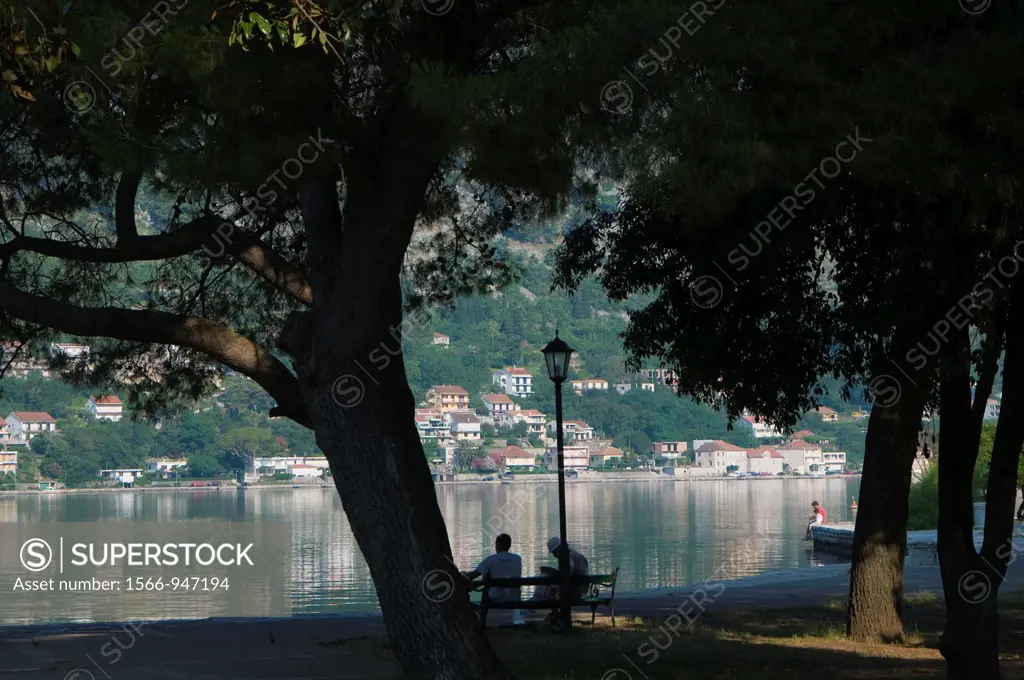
(622, 388)
(802, 457)
(721, 456)
(587, 384)
(433, 424)
(765, 460)
(803, 434)
(536, 422)
(580, 431)
(105, 407)
(283, 464)
(513, 457)
(575, 457)
(448, 398)
(299, 471)
(646, 387)
(23, 426)
(833, 461)
(514, 380)
(664, 376)
(123, 476)
(759, 426)
(441, 339)
(498, 403)
(8, 462)
(992, 409)
(68, 350)
(465, 427)
(605, 455)
(164, 468)
(668, 450)
(827, 414)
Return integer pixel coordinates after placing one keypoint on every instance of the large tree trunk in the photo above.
(362, 409)
(970, 642)
(880, 536)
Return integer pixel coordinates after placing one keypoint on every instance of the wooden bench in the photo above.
(593, 598)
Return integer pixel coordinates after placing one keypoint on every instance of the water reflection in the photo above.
(657, 533)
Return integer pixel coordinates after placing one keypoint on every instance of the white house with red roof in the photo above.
(69, 350)
(105, 407)
(442, 339)
(580, 431)
(513, 457)
(536, 422)
(802, 457)
(764, 461)
(498, 403)
(828, 415)
(514, 380)
(760, 427)
(721, 456)
(23, 426)
(575, 457)
(465, 427)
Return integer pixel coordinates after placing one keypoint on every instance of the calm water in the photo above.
(658, 533)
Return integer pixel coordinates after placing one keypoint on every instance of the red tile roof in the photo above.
(497, 398)
(107, 400)
(719, 445)
(518, 371)
(34, 417)
(758, 453)
(449, 389)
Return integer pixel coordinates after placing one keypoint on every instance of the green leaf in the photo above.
(76, 50)
(298, 39)
(51, 63)
(263, 24)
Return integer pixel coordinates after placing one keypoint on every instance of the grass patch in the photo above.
(922, 598)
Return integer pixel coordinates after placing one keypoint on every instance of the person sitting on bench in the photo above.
(502, 564)
(578, 565)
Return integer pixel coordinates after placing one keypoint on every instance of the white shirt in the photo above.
(502, 565)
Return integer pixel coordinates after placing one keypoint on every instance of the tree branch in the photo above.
(124, 208)
(213, 339)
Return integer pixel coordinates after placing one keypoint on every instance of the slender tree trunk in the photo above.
(359, 400)
(967, 643)
(880, 536)
(970, 642)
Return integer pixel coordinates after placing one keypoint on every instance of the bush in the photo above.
(924, 500)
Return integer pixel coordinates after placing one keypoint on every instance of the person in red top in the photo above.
(818, 517)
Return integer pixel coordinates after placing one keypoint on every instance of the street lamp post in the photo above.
(556, 355)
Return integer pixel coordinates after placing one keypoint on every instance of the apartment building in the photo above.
(448, 398)
(514, 381)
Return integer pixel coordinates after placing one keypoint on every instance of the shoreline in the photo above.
(794, 587)
(547, 478)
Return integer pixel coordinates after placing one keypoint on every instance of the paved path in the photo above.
(295, 649)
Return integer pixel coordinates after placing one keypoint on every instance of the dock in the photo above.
(839, 536)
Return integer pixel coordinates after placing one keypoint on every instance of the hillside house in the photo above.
(992, 409)
(663, 376)
(8, 462)
(498, 403)
(23, 426)
(646, 387)
(105, 407)
(465, 427)
(514, 381)
(622, 388)
(827, 414)
(448, 398)
(536, 422)
(432, 424)
(760, 427)
(442, 339)
(580, 431)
